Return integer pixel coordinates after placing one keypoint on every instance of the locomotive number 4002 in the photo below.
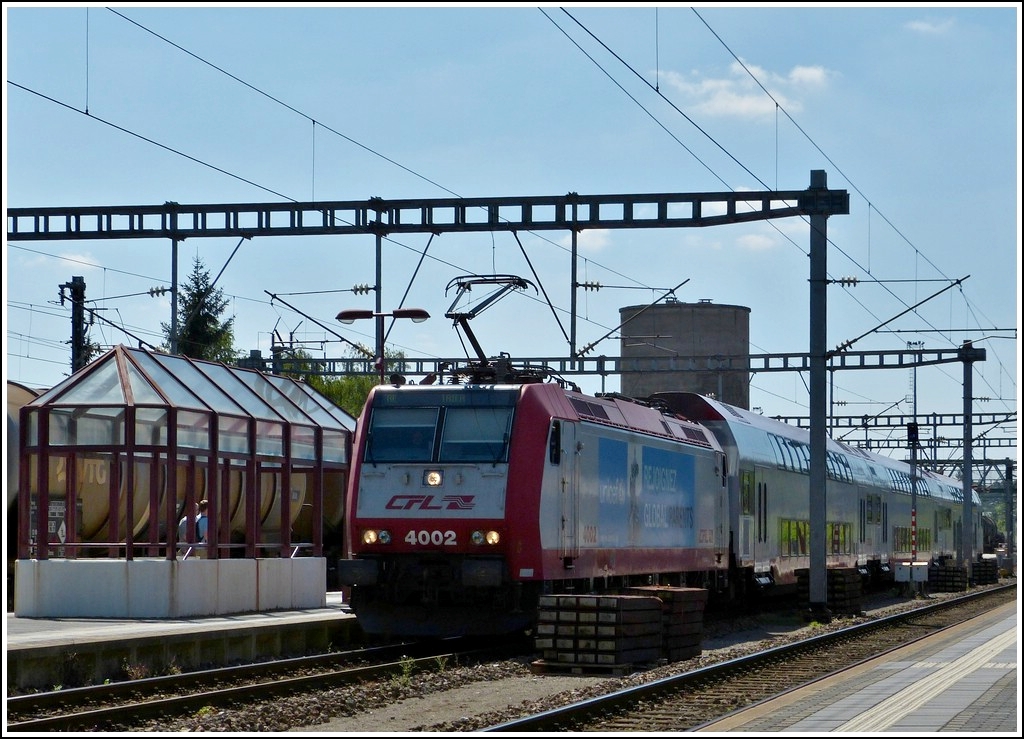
(435, 537)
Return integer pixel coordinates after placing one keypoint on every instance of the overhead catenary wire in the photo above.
(311, 119)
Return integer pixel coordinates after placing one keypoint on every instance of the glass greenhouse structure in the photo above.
(113, 457)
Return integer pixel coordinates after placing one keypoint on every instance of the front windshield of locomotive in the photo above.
(459, 424)
(475, 435)
(402, 434)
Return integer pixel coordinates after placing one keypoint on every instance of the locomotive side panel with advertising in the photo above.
(622, 503)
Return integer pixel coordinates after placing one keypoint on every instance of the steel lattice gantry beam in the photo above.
(1001, 442)
(382, 217)
(932, 420)
(1002, 470)
(604, 365)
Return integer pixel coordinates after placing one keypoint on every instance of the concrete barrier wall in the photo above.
(160, 588)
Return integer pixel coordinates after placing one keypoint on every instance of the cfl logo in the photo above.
(429, 503)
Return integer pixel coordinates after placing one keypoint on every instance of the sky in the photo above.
(913, 110)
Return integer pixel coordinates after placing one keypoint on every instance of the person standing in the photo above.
(202, 524)
(202, 521)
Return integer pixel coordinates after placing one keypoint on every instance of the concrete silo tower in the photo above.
(693, 347)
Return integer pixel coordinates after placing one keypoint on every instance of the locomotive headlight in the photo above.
(485, 537)
(432, 478)
(370, 536)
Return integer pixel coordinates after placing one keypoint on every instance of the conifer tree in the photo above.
(201, 332)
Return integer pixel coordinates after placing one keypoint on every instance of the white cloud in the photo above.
(755, 242)
(591, 240)
(740, 95)
(742, 104)
(82, 261)
(934, 28)
(801, 76)
(795, 229)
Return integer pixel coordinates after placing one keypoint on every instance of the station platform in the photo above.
(963, 679)
(43, 653)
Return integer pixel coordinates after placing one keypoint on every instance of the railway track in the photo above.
(687, 701)
(312, 691)
(124, 705)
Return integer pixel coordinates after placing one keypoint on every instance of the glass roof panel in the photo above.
(142, 391)
(316, 406)
(101, 385)
(240, 392)
(158, 379)
(261, 385)
(179, 395)
(188, 373)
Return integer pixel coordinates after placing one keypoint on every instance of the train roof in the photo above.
(619, 410)
(557, 402)
(774, 443)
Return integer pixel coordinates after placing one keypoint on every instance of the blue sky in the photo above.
(914, 110)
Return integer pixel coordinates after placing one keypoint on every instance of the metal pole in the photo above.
(380, 343)
(913, 470)
(817, 576)
(968, 353)
(831, 399)
(173, 343)
(1011, 536)
(378, 311)
(575, 286)
(77, 288)
(913, 502)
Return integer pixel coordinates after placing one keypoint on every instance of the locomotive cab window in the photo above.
(401, 435)
(555, 443)
(476, 434)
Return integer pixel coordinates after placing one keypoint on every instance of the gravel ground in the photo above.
(463, 698)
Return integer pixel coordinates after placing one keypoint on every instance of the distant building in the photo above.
(707, 346)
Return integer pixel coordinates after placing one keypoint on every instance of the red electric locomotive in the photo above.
(467, 502)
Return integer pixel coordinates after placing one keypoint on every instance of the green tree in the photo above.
(347, 392)
(201, 332)
(91, 350)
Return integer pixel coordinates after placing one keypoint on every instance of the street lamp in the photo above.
(416, 315)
